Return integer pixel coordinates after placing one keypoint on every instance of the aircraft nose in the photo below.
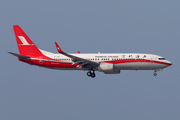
(169, 63)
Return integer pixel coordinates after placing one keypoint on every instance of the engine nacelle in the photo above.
(107, 68)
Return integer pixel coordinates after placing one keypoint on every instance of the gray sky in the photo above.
(137, 26)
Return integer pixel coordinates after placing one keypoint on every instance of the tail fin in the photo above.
(24, 43)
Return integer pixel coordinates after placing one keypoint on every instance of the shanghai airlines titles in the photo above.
(108, 63)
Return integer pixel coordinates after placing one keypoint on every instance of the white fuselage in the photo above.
(121, 61)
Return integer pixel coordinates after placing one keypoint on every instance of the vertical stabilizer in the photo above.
(24, 43)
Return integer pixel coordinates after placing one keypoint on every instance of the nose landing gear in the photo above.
(155, 74)
(91, 74)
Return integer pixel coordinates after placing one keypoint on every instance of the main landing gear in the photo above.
(91, 74)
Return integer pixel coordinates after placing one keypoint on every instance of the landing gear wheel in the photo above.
(155, 74)
(93, 75)
(89, 73)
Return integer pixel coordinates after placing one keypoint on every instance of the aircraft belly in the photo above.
(139, 66)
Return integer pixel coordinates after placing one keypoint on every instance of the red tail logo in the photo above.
(25, 45)
(24, 41)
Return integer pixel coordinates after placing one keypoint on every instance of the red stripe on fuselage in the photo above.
(130, 61)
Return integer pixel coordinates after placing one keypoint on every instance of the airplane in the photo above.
(109, 63)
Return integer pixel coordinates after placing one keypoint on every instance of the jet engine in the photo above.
(107, 68)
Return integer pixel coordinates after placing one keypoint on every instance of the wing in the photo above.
(87, 64)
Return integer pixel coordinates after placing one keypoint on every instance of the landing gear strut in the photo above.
(91, 74)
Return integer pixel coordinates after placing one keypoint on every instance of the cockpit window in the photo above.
(162, 59)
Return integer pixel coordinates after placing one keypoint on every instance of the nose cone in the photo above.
(166, 64)
(169, 63)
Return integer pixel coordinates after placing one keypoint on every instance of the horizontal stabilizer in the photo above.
(19, 56)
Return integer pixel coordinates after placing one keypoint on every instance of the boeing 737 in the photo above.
(109, 63)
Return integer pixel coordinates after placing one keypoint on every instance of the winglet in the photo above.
(58, 48)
